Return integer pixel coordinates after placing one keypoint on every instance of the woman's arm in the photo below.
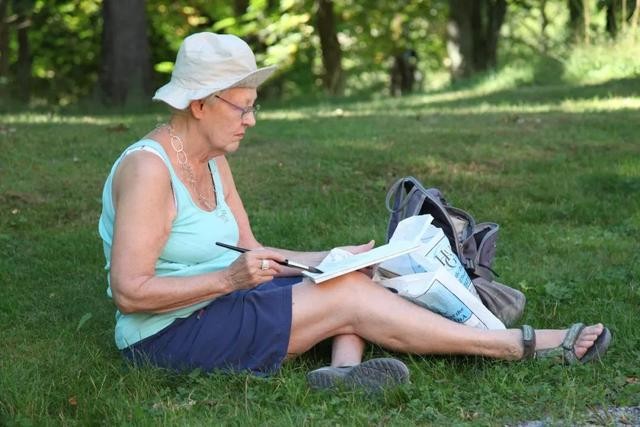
(145, 209)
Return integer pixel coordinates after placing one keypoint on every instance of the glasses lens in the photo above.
(251, 110)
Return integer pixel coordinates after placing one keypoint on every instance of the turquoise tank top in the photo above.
(190, 248)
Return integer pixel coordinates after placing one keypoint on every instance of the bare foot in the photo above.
(549, 338)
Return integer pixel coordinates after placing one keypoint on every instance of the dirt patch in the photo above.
(613, 416)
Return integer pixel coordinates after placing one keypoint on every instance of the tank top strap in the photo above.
(156, 148)
(217, 181)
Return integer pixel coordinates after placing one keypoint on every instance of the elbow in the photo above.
(126, 296)
(124, 304)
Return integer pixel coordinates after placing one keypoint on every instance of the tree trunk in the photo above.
(333, 79)
(576, 19)
(494, 12)
(473, 33)
(587, 21)
(460, 38)
(23, 65)
(126, 64)
(612, 22)
(403, 72)
(4, 45)
(636, 17)
(240, 7)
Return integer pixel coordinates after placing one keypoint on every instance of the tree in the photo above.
(333, 78)
(403, 72)
(635, 17)
(23, 10)
(4, 46)
(473, 32)
(16, 15)
(240, 7)
(611, 19)
(576, 21)
(126, 64)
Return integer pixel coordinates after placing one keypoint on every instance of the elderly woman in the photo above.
(184, 303)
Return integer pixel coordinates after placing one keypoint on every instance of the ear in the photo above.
(197, 108)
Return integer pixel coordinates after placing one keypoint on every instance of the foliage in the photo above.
(65, 40)
(605, 61)
(378, 30)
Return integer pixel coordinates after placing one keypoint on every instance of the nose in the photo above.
(249, 119)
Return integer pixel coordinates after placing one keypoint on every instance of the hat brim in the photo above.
(179, 97)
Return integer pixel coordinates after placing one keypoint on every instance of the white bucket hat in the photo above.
(208, 63)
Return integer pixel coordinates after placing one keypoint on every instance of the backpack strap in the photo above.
(407, 197)
(485, 235)
(404, 199)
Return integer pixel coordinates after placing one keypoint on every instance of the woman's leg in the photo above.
(353, 304)
(347, 350)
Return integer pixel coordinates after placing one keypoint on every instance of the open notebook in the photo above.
(340, 262)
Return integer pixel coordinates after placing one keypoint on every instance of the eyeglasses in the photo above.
(244, 111)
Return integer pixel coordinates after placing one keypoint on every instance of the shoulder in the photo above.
(142, 164)
(141, 170)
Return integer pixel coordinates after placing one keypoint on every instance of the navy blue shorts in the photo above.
(246, 330)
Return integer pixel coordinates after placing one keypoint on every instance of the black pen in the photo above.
(286, 262)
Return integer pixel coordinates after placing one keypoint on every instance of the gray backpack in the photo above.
(473, 243)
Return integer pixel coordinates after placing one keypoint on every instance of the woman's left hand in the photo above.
(358, 249)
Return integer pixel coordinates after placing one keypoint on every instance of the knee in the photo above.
(353, 284)
(352, 291)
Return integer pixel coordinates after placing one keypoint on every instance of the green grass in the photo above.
(557, 166)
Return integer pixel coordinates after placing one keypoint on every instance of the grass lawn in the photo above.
(557, 166)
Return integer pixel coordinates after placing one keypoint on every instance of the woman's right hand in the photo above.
(253, 268)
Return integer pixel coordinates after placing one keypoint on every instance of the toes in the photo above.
(587, 338)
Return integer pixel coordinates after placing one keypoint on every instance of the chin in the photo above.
(233, 147)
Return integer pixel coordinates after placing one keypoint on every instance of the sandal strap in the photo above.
(569, 341)
(528, 341)
(564, 353)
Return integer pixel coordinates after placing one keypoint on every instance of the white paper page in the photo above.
(334, 265)
(412, 228)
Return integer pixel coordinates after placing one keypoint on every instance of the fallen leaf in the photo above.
(83, 320)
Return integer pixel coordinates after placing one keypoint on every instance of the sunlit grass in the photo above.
(604, 61)
(557, 166)
(34, 118)
(421, 104)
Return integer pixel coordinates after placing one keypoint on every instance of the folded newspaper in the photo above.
(442, 293)
(434, 252)
(433, 277)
